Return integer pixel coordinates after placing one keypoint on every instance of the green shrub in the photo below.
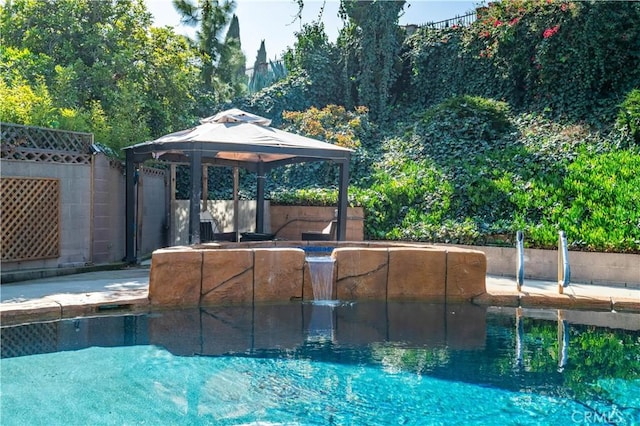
(306, 197)
(26, 104)
(602, 196)
(628, 119)
(460, 128)
(443, 180)
(401, 196)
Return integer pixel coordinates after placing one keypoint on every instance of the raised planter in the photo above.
(290, 222)
(273, 271)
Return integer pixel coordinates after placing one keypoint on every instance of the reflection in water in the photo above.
(269, 354)
(562, 338)
(563, 341)
(519, 337)
(322, 324)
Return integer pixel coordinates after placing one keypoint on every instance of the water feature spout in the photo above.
(321, 267)
(322, 280)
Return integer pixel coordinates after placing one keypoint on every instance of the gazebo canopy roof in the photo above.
(238, 138)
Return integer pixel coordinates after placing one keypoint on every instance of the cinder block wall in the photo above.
(109, 220)
(75, 210)
(222, 212)
(586, 267)
(92, 214)
(108, 211)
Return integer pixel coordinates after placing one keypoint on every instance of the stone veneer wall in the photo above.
(289, 222)
(274, 271)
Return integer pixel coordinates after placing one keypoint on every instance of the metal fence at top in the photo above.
(460, 21)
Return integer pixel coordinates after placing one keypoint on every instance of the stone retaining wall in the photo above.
(274, 271)
(290, 222)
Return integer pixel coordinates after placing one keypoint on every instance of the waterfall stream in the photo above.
(321, 270)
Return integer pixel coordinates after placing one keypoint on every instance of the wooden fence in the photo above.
(30, 209)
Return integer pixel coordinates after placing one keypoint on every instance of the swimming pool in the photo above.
(299, 363)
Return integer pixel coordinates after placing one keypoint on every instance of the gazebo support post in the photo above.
(260, 198)
(205, 187)
(130, 209)
(195, 163)
(343, 201)
(236, 202)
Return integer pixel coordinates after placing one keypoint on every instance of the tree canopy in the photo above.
(102, 67)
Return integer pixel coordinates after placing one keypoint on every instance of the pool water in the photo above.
(299, 364)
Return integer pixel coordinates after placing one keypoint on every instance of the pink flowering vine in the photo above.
(550, 32)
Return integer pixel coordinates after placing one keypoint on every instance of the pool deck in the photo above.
(126, 290)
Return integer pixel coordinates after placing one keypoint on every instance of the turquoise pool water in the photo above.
(297, 364)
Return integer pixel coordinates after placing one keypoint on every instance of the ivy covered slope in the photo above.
(529, 120)
(470, 171)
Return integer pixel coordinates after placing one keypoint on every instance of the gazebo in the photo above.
(233, 138)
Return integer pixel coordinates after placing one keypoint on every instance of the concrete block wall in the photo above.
(222, 211)
(92, 214)
(75, 210)
(108, 211)
(590, 268)
(289, 222)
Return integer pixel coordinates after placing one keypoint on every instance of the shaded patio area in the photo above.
(232, 138)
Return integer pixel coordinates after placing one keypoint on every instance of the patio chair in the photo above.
(208, 227)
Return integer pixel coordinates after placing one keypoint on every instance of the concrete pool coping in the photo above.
(126, 291)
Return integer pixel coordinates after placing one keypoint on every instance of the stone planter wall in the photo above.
(274, 271)
(289, 222)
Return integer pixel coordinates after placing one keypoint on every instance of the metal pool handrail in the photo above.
(564, 270)
(520, 264)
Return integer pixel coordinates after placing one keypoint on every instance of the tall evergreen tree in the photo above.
(234, 30)
(372, 28)
(233, 63)
(260, 69)
(211, 16)
(261, 59)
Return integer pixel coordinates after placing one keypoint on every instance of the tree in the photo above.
(260, 70)
(97, 67)
(314, 55)
(170, 82)
(212, 17)
(233, 63)
(371, 41)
